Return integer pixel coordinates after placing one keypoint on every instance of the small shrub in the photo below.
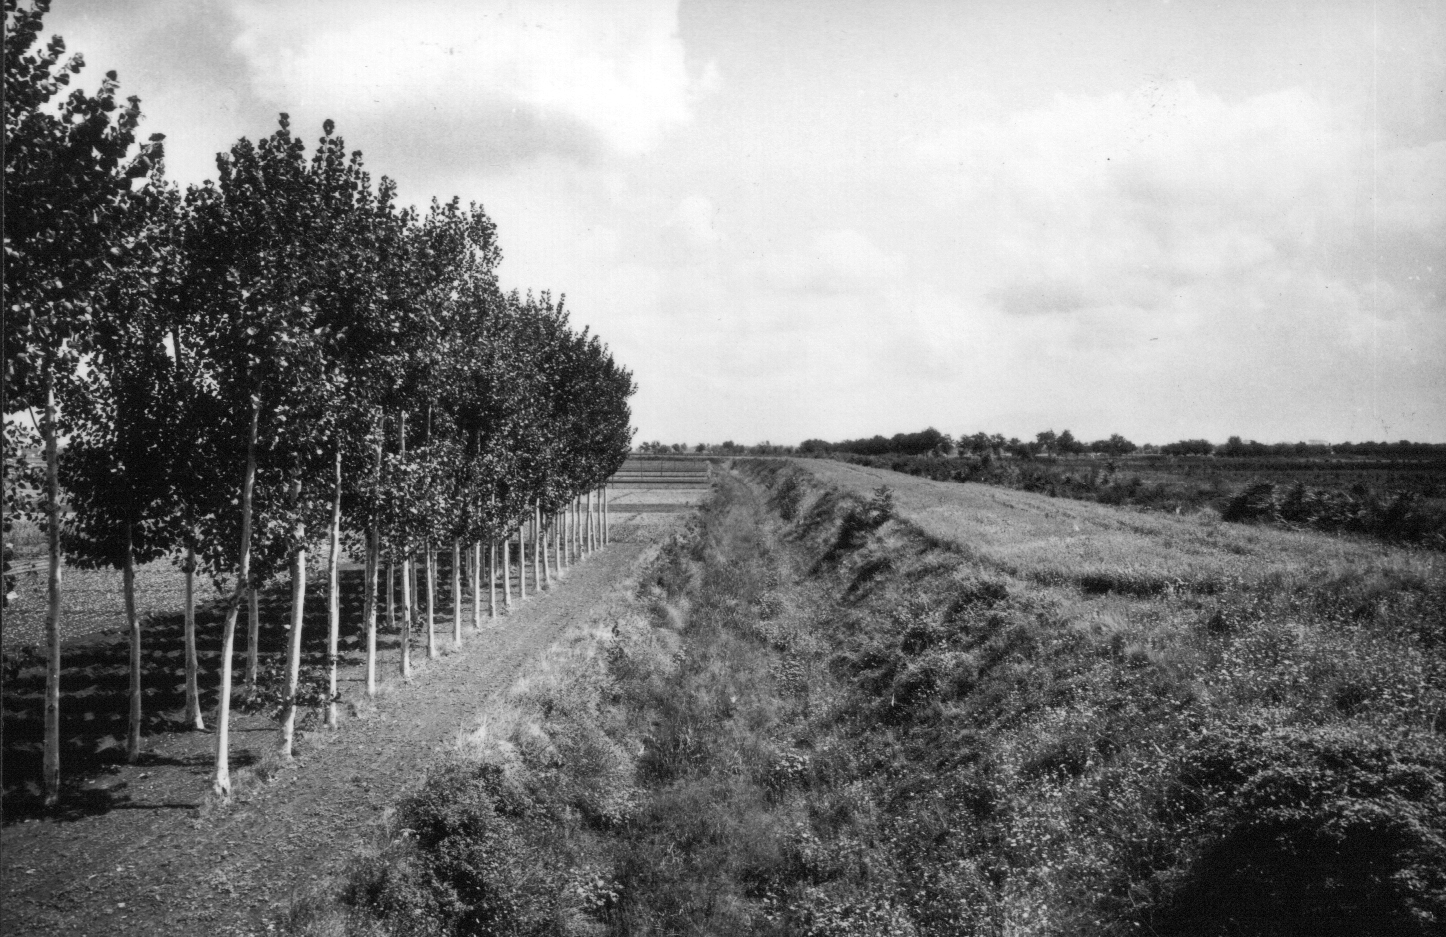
(458, 865)
(1308, 830)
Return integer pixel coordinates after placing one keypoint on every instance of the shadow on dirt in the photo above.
(95, 692)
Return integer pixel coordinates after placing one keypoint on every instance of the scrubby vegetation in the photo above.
(815, 719)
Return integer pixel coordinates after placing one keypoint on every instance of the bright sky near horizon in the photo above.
(834, 219)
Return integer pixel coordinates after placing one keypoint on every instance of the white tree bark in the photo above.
(522, 561)
(588, 544)
(477, 586)
(538, 576)
(369, 609)
(507, 572)
(221, 783)
(456, 593)
(133, 625)
(333, 596)
(298, 611)
(431, 555)
(391, 592)
(406, 616)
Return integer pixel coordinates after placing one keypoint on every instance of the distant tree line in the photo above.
(1049, 444)
(920, 443)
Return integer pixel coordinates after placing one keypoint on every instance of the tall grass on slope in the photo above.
(502, 835)
(1045, 759)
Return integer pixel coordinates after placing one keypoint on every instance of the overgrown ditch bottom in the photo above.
(808, 718)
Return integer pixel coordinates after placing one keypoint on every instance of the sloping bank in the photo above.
(810, 718)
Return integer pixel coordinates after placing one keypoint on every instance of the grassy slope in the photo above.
(987, 714)
(1156, 722)
(1102, 548)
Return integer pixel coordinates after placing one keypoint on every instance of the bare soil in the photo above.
(144, 849)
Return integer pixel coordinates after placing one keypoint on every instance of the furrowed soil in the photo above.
(144, 848)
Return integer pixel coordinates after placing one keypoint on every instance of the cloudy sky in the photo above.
(795, 219)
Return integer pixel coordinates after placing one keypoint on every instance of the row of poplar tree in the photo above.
(227, 373)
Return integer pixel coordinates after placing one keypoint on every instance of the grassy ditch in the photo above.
(808, 717)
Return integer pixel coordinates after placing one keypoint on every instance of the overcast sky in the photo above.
(799, 219)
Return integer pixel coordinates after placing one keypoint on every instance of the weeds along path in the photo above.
(158, 867)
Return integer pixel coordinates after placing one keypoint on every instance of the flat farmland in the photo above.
(1102, 548)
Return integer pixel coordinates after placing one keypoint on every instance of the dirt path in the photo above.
(159, 862)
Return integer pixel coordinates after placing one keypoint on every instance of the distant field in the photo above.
(1402, 501)
(1062, 540)
(1424, 477)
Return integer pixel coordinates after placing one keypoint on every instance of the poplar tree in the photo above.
(118, 468)
(68, 167)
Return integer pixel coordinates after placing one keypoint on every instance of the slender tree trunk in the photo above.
(51, 754)
(408, 585)
(431, 559)
(507, 572)
(253, 635)
(222, 781)
(522, 561)
(373, 566)
(559, 561)
(456, 593)
(369, 609)
(298, 610)
(538, 559)
(552, 543)
(607, 532)
(391, 592)
(406, 616)
(477, 586)
(418, 569)
(193, 717)
(333, 598)
(492, 579)
(133, 624)
(587, 542)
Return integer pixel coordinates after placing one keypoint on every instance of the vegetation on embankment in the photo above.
(1399, 502)
(825, 721)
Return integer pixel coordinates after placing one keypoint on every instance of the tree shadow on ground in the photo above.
(95, 691)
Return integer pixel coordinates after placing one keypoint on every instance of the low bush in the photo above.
(459, 864)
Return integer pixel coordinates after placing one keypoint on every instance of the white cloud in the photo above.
(833, 261)
(695, 221)
(613, 72)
